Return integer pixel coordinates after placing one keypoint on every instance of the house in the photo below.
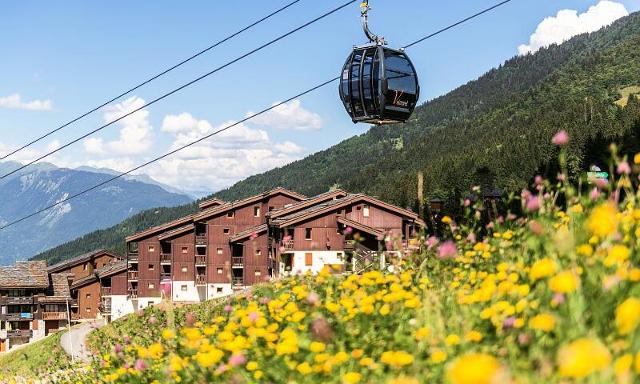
(86, 297)
(189, 259)
(33, 302)
(339, 232)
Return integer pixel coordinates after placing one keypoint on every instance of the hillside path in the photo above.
(74, 341)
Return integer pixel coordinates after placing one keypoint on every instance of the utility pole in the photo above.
(73, 359)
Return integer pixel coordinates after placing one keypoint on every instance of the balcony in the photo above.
(201, 260)
(132, 257)
(133, 293)
(237, 262)
(105, 306)
(349, 245)
(201, 280)
(17, 316)
(165, 258)
(132, 275)
(165, 276)
(105, 291)
(20, 333)
(238, 282)
(201, 239)
(21, 300)
(54, 316)
(287, 245)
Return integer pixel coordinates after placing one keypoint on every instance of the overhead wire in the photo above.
(152, 78)
(309, 90)
(175, 90)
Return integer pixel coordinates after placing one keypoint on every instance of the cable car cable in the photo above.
(164, 72)
(251, 52)
(323, 84)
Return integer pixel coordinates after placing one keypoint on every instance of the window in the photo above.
(184, 250)
(308, 259)
(151, 248)
(226, 231)
(151, 267)
(151, 286)
(85, 266)
(256, 211)
(219, 251)
(230, 214)
(219, 270)
(365, 211)
(87, 296)
(258, 273)
(271, 208)
(150, 303)
(184, 269)
(87, 309)
(307, 233)
(219, 290)
(183, 288)
(258, 252)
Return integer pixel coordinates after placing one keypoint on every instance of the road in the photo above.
(74, 341)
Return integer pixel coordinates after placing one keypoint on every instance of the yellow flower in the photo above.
(422, 333)
(623, 364)
(582, 358)
(168, 334)
(446, 220)
(403, 380)
(304, 368)
(351, 378)
(385, 309)
(584, 250)
(257, 375)
(208, 359)
(542, 268)
(396, 358)
(316, 347)
(617, 254)
(438, 356)
(473, 368)
(252, 366)
(636, 363)
(564, 282)
(452, 340)
(603, 220)
(357, 353)
(543, 322)
(636, 158)
(628, 315)
(473, 336)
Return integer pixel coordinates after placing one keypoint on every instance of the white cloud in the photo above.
(135, 132)
(221, 160)
(53, 145)
(289, 116)
(568, 23)
(14, 101)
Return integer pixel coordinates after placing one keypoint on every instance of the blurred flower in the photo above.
(582, 358)
(474, 368)
(628, 315)
(561, 138)
(623, 168)
(447, 250)
(140, 365)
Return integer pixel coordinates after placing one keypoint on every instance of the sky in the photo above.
(61, 59)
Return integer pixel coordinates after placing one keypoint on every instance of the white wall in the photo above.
(191, 295)
(320, 258)
(120, 306)
(213, 290)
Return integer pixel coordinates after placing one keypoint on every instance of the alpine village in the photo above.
(487, 233)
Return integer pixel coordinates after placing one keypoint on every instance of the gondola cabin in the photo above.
(379, 85)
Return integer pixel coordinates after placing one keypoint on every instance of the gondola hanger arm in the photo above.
(364, 16)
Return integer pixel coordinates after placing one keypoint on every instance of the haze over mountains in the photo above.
(44, 184)
(494, 131)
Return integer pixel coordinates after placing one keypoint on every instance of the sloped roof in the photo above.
(331, 205)
(25, 274)
(210, 203)
(106, 271)
(248, 232)
(79, 260)
(59, 285)
(249, 200)
(160, 228)
(361, 227)
(176, 232)
(306, 203)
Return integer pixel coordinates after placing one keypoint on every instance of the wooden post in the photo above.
(421, 194)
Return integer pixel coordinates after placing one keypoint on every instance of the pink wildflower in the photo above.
(561, 138)
(623, 168)
(140, 365)
(447, 250)
(533, 204)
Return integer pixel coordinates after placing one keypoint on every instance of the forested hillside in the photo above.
(494, 131)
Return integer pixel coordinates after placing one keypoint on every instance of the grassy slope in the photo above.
(34, 360)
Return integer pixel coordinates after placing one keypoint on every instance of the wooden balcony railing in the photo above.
(201, 260)
(54, 315)
(21, 300)
(133, 293)
(238, 281)
(165, 258)
(105, 291)
(133, 275)
(288, 245)
(20, 333)
(17, 317)
(201, 239)
(201, 280)
(165, 276)
(237, 262)
(132, 256)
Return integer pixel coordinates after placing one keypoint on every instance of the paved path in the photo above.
(74, 341)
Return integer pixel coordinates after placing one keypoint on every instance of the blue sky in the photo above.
(64, 59)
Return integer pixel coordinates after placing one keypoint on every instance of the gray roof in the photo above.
(25, 274)
(77, 260)
(59, 285)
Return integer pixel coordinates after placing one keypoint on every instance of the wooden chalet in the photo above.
(105, 290)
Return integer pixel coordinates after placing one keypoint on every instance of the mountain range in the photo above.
(43, 184)
(494, 132)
